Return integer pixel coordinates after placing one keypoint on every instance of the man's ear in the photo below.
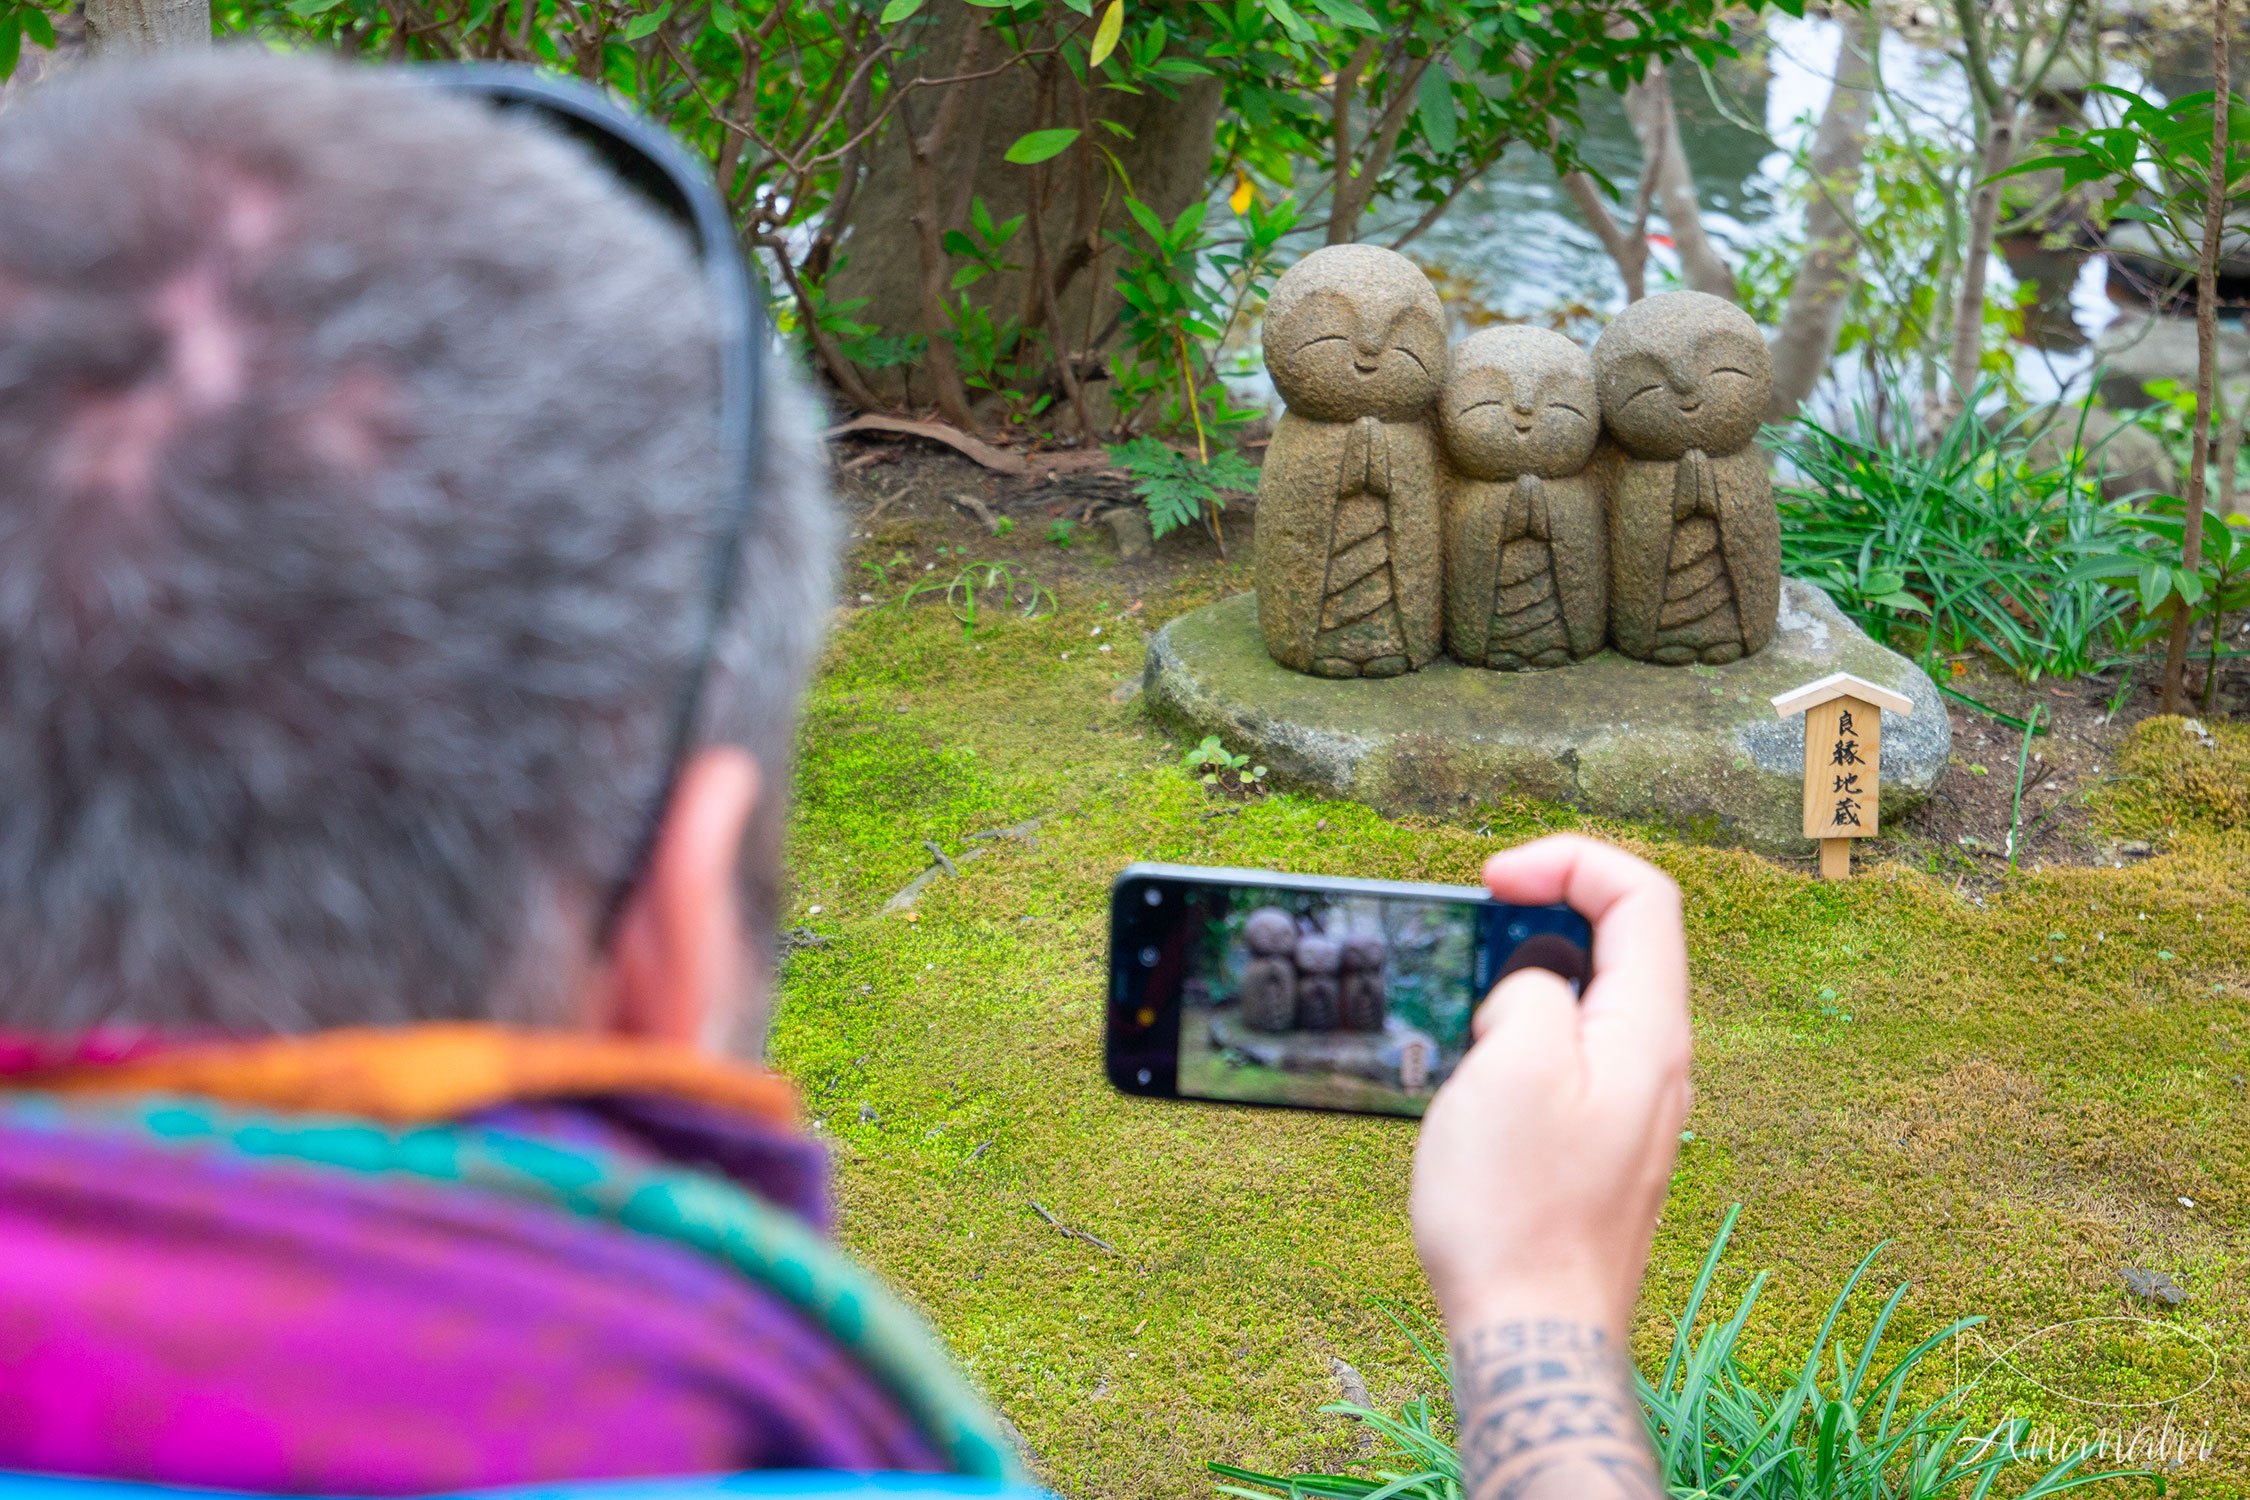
(680, 967)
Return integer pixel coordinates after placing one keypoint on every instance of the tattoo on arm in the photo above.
(1547, 1412)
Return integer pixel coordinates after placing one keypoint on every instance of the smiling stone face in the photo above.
(1683, 370)
(1520, 400)
(1355, 331)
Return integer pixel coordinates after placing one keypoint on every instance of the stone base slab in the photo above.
(1696, 747)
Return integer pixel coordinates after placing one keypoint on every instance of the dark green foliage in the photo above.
(1176, 488)
(1956, 541)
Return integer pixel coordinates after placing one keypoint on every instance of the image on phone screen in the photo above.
(1336, 995)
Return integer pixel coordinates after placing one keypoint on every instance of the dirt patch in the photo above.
(920, 515)
(1964, 828)
(905, 501)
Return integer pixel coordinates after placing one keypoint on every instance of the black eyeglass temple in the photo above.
(646, 158)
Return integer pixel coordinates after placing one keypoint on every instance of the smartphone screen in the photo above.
(1254, 987)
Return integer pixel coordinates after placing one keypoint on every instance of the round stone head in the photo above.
(1355, 331)
(1319, 955)
(1270, 932)
(1683, 370)
(1366, 951)
(1519, 400)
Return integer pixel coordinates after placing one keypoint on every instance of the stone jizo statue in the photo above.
(1320, 994)
(1349, 568)
(1269, 979)
(1365, 998)
(1527, 567)
(1694, 540)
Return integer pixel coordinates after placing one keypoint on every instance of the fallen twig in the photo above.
(1076, 1234)
(943, 864)
(978, 508)
(870, 457)
(999, 459)
(1023, 831)
(977, 1154)
(884, 504)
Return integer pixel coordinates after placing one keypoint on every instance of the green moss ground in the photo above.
(2017, 1092)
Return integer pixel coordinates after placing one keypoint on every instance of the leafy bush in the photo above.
(1719, 1432)
(1957, 540)
(1176, 488)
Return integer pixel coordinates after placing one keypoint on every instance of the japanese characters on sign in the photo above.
(1843, 746)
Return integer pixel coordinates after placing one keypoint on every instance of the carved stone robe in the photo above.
(1349, 570)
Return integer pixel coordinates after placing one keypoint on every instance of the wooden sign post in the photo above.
(1843, 756)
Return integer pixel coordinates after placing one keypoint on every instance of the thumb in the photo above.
(1530, 1018)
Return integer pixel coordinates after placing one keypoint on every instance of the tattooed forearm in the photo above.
(1547, 1413)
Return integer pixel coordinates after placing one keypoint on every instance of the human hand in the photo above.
(1544, 1159)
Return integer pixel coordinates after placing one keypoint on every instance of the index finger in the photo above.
(1639, 986)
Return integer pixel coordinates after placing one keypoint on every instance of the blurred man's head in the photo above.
(357, 487)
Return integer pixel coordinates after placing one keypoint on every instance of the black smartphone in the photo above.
(1310, 992)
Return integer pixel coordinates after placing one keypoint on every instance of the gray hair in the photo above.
(357, 476)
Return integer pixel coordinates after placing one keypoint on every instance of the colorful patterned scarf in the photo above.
(438, 1259)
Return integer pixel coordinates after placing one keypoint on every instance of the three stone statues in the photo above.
(1514, 500)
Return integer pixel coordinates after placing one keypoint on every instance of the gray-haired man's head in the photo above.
(357, 482)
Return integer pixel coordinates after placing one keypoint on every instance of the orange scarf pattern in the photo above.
(418, 1074)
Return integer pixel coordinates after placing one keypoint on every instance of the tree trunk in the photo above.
(1648, 105)
(1984, 222)
(1167, 159)
(1806, 339)
(2206, 357)
(120, 28)
(1628, 249)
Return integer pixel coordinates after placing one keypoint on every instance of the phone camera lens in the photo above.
(1517, 931)
(1153, 896)
(1144, 1075)
(1149, 957)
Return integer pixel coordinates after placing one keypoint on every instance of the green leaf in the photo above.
(1433, 105)
(11, 42)
(726, 20)
(899, 10)
(1105, 35)
(642, 26)
(1285, 15)
(957, 243)
(37, 26)
(1146, 217)
(1346, 13)
(1041, 145)
(2156, 586)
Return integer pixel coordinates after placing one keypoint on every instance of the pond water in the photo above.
(1514, 247)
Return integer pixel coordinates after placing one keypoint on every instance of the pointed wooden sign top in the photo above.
(1837, 685)
(1843, 760)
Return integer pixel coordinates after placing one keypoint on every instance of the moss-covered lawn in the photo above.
(2022, 1093)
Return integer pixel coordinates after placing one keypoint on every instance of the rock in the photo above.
(1129, 525)
(1350, 1382)
(1399, 1055)
(866, 1114)
(2141, 347)
(1699, 748)
(1694, 539)
(2127, 457)
(1349, 569)
(1527, 530)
